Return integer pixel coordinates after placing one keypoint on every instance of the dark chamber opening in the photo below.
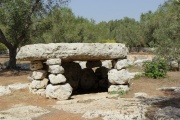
(86, 80)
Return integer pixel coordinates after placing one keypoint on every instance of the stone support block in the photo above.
(107, 64)
(36, 65)
(39, 74)
(57, 79)
(60, 92)
(119, 76)
(53, 61)
(121, 64)
(119, 88)
(37, 91)
(39, 84)
(56, 69)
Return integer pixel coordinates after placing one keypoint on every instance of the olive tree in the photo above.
(16, 20)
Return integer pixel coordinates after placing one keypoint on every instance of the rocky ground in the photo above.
(147, 99)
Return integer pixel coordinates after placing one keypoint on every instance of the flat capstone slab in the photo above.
(73, 51)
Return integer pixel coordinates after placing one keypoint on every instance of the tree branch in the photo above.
(28, 20)
(4, 41)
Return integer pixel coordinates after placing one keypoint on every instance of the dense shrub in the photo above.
(156, 69)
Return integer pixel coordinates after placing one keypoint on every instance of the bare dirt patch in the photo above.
(150, 86)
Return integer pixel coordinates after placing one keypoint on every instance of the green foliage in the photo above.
(2, 47)
(108, 41)
(168, 33)
(122, 92)
(156, 69)
(18, 18)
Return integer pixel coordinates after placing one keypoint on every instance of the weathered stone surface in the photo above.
(18, 86)
(39, 74)
(141, 62)
(73, 51)
(53, 61)
(124, 88)
(56, 69)
(72, 73)
(167, 113)
(60, 92)
(88, 79)
(98, 105)
(174, 65)
(140, 95)
(121, 64)
(56, 79)
(92, 64)
(38, 84)
(36, 65)
(119, 77)
(22, 112)
(38, 91)
(4, 90)
(107, 64)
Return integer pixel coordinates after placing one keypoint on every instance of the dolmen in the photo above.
(58, 69)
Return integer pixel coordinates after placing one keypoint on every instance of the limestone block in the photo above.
(60, 92)
(119, 76)
(38, 84)
(36, 65)
(72, 73)
(18, 86)
(56, 69)
(140, 95)
(4, 90)
(124, 88)
(53, 61)
(88, 79)
(56, 79)
(107, 64)
(73, 51)
(39, 74)
(37, 91)
(121, 64)
(92, 64)
(141, 62)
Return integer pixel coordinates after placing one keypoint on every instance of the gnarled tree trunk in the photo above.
(12, 58)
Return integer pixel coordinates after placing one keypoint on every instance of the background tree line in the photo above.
(34, 21)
